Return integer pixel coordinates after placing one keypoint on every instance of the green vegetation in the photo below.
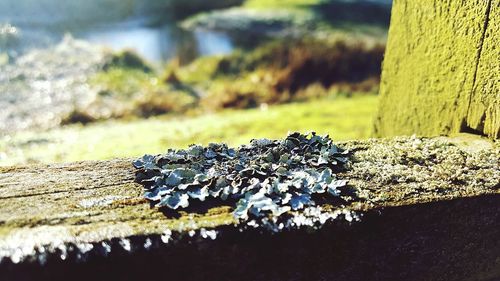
(121, 82)
(280, 72)
(274, 73)
(329, 88)
(342, 117)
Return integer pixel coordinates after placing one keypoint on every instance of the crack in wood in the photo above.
(478, 59)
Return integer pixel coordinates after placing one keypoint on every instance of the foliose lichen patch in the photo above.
(272, 183)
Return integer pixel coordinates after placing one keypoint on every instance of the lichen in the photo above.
(268, 180)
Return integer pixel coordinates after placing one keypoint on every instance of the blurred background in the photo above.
(98, 79)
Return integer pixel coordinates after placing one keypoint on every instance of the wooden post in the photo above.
(429, 211)
(441, 70)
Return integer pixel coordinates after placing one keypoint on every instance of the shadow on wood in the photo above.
(449, 240)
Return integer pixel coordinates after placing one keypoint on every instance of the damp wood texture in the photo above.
(442, 65)
(428, 210)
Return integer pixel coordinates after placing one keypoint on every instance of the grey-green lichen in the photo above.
(268, 180)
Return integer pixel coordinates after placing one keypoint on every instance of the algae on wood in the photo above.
(484, 109)
(441, 69)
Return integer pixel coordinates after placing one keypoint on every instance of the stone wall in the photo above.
(442, 69)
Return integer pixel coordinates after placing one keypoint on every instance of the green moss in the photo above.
(431, 70)
(484, 109)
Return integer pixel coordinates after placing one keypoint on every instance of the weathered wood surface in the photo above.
(484, 110)
(90, 203)
(441, 69)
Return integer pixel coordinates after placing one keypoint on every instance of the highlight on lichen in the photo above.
(269, 181)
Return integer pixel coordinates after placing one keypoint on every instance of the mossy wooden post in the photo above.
(428, 209)
(442, 69)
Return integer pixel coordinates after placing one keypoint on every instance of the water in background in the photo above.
(144, 26)
(160, 43)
